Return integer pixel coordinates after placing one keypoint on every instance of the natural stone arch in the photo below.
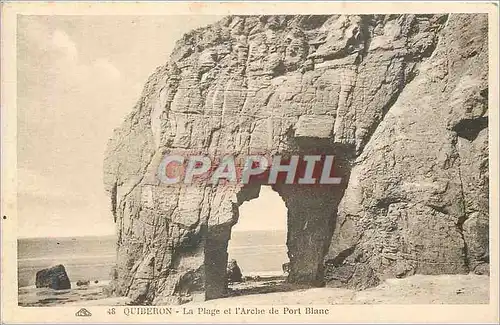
(311, 214)
(389, 102)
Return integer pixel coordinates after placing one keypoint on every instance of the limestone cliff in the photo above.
(400, 100)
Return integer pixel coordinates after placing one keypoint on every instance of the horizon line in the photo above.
(111, 235)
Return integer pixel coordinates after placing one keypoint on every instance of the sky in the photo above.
(78, 76)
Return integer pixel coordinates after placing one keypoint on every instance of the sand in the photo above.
(417, 289)
(92, 294)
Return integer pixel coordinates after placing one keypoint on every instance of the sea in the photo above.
(92, 258)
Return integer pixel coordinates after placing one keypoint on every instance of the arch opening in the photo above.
(311, 212)
(258, 239)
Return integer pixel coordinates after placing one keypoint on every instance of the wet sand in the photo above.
(93, 294)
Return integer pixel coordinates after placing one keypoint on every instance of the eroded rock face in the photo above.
(417, 200)
(398, 99)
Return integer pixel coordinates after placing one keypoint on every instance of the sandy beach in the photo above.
(417, 289)
(93, 294)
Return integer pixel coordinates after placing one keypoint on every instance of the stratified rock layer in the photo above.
(399, 100)
(417, 200)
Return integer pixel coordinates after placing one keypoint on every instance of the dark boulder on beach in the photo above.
(55, 278)
(234, 272)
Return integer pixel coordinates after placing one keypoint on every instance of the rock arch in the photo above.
(389, 111)
(310, 224)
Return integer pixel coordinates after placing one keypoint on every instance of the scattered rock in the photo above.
(80, 283)
(54, 278)
(233, 272)
(286, 268)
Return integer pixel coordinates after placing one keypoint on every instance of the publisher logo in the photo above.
(83, 313)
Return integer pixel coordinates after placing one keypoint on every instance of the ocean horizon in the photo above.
(93, 257)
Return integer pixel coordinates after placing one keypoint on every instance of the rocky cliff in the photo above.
(399, 100)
